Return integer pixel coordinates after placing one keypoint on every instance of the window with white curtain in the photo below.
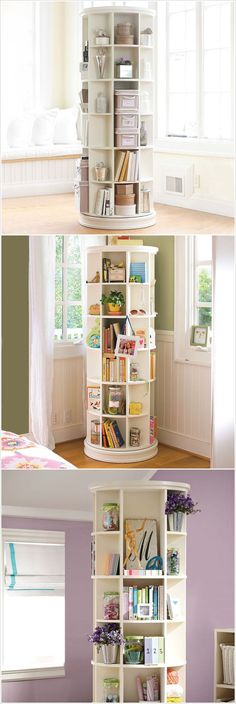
(196, 75)
(68, 289)
(33, 604)
(20, 58)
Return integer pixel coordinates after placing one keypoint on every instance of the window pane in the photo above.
(74, 322)
(73, 285)
(37, 623)
(211, 30)
(58, 285)
(212, 70)
(58, 323)
(203, 244)
(73, 250)
(59, 249)
(204, 284)
(204, 316)
(182, 114)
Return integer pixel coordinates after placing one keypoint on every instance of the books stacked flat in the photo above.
(113, 368)
(148, 690)
(143, 603)
(111, 435)
(111, 564)
(110, 335)
(104, 202)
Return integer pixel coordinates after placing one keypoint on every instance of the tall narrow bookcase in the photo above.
(222, 690)
(139, 500)
(99, 128)
(105, 371)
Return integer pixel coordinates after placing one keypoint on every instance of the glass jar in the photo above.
(146, 200)
(134, 437)
(134, 650)
(115, 400)
(111, 687)
(173, 561)
(143, 134)
(111, 606)
(134, 372)
(110, 518)
(101, 103)
(95, 432)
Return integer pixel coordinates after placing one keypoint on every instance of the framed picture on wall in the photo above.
(199, 335)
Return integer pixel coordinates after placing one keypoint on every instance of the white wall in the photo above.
(59, 53)
(68, 399)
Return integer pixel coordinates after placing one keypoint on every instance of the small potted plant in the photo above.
(114, 301)
(177, 505)
(108, 639)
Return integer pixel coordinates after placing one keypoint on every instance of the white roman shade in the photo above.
(36, 565)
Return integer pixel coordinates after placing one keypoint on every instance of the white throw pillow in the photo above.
(19, 131)
(43, 127)
(65, 131)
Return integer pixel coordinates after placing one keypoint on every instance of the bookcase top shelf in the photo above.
(123, 248)
(116, 10)
(158, 485)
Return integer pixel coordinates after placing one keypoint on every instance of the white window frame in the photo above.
(184, 301)
(16, 535)
(196, 304)
(64, 303)
(201, 146)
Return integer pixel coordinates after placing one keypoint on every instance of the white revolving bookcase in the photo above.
(100, 375)
(98, 129)
(139, 500)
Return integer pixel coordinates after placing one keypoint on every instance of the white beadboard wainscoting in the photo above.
(29, 177)
(68, 398)
(183, 400)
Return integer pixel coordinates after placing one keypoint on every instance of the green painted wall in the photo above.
(15, 334)
(165, 279)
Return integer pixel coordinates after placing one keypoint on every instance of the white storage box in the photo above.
(126, 100)
(126, 138)
(126, 121)
(125, 210)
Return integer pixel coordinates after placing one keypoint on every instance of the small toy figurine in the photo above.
(95, 280)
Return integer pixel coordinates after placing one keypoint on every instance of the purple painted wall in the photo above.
(210, 570)
(76, 686)
(210, 592)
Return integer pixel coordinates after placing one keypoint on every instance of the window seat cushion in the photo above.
(45, 151)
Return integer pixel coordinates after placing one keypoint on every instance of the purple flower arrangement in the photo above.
(109, 634)
(176, 501)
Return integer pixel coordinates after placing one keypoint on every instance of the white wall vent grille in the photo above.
(176, 181)
(174, 184)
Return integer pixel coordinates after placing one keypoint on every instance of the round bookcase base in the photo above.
(116, 223)
(120, 456)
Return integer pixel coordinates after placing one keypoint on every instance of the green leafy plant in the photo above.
(116, 298)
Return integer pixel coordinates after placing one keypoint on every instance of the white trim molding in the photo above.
(184, 442)
(39, 673)
(205, 205)
(19, 535)
(54, 514)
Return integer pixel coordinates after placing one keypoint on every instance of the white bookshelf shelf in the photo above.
(145, 500)
(137, 296)
(100, 137)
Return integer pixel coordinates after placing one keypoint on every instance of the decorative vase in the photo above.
(101, 60)
(175, 521)
(109, 653)
(143, 134)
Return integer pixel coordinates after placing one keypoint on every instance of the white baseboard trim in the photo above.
(56, 514)
(42, 188)
(184, 442)
(71, 432)
(205, 205)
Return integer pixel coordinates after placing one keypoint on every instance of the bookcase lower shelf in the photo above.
(118, 223)
(120, 456)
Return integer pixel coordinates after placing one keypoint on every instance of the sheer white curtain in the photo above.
(223, 353)
(41, 332)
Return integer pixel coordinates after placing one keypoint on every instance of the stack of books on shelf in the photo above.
(126, 166)
(153, 429)
(113, 368)
(154, 650)
(104, 202)
(143, 603)
(110, 335)
(148, 690)
(111, 564)
(152, 365)
(111, 435)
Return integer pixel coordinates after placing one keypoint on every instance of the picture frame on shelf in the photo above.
(94, 398)
(144, 611)
(199, 336)
(127, 346)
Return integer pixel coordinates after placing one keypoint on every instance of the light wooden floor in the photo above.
(167, 457)
(56, 214)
